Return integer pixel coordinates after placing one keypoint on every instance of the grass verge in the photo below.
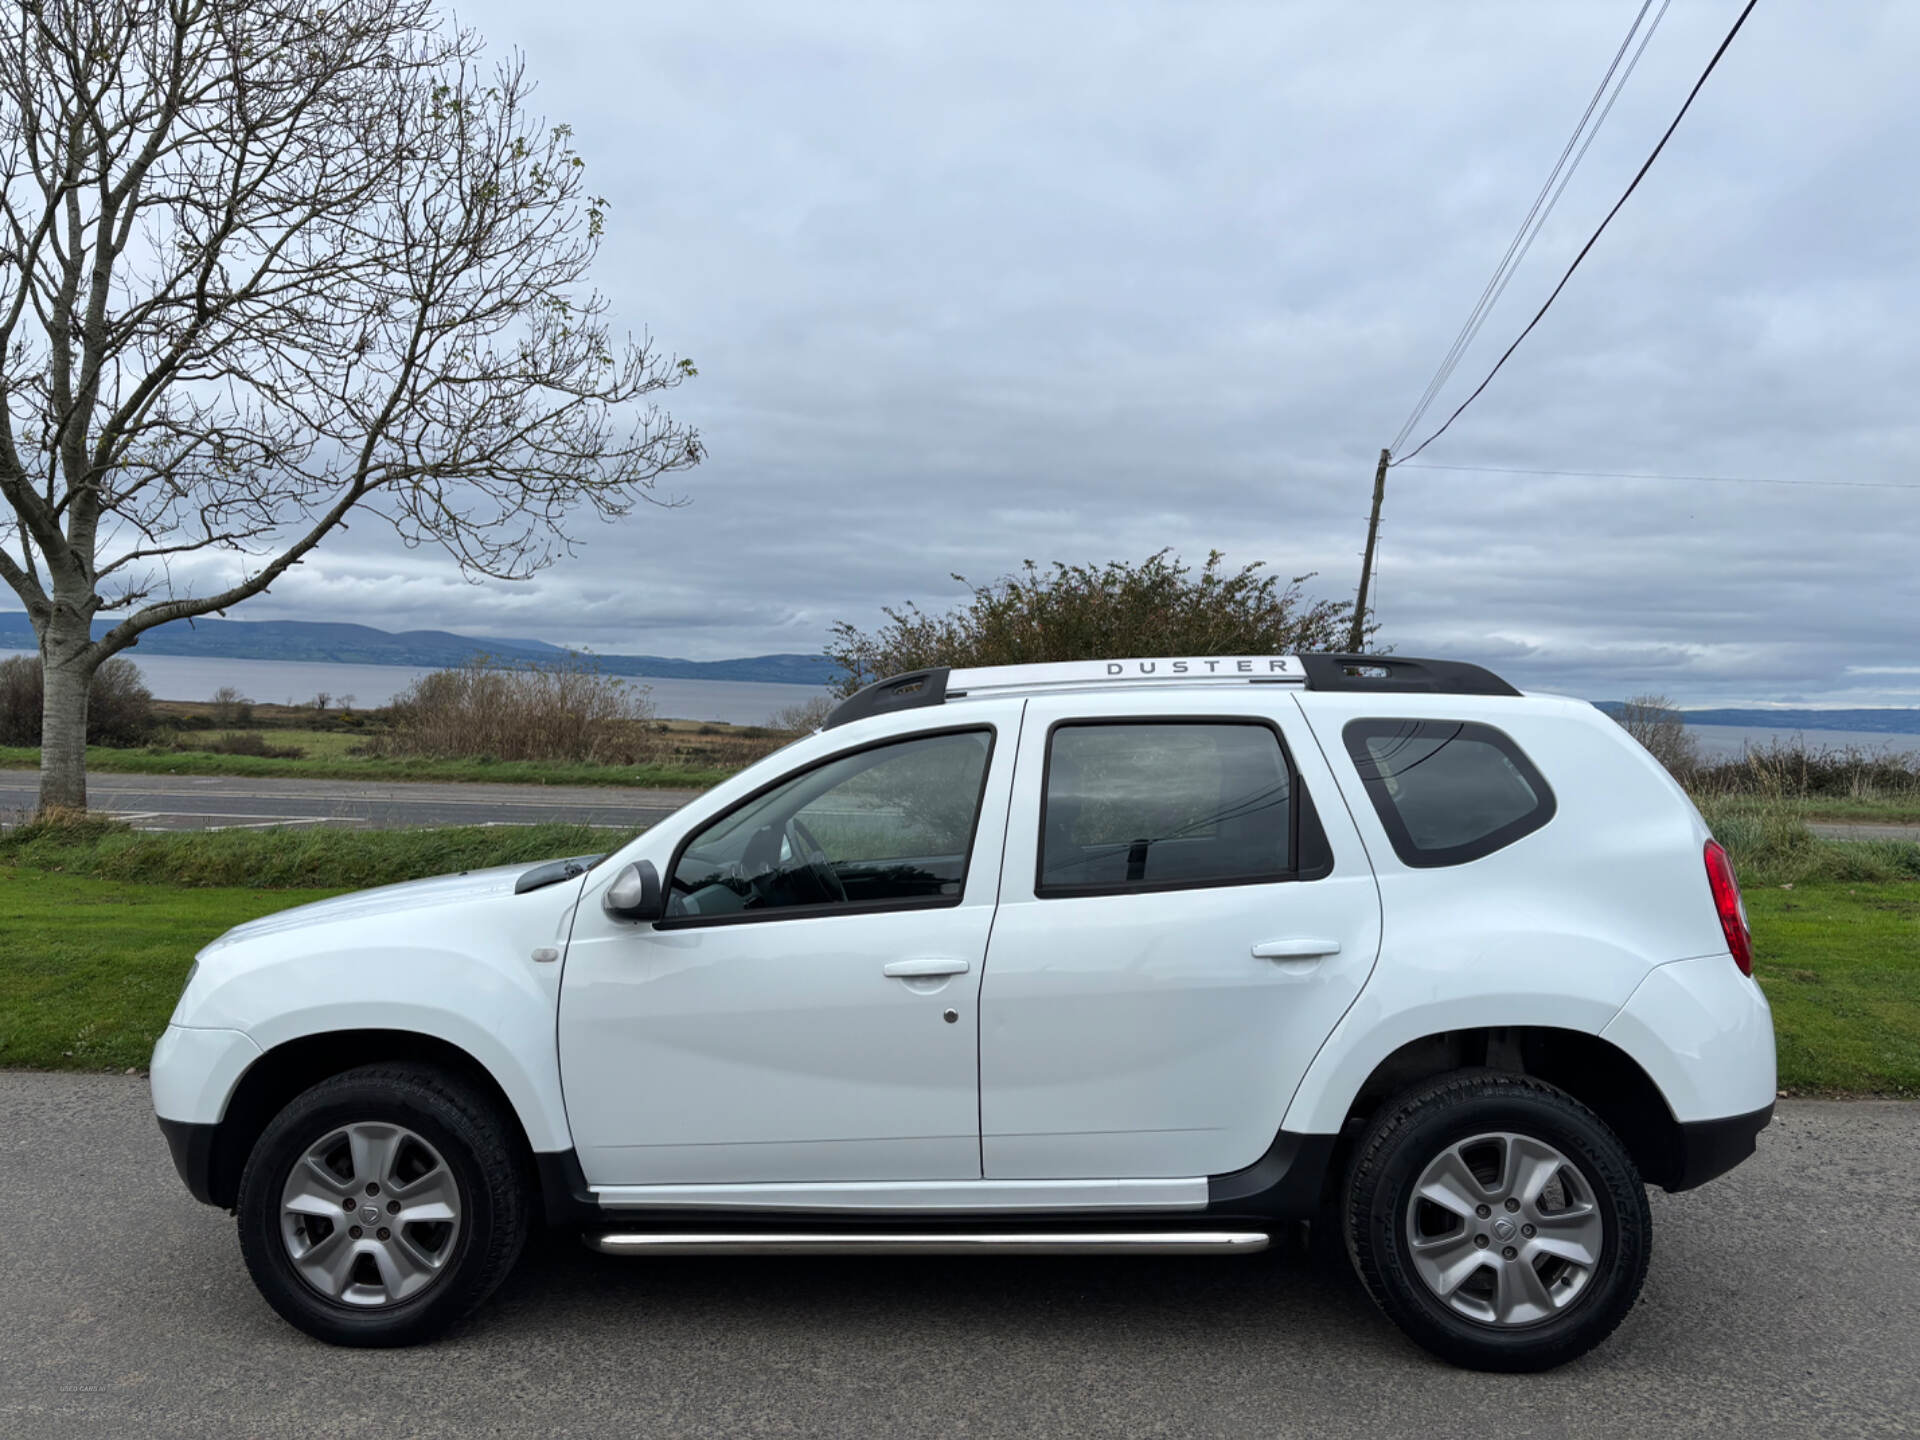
(102, 760)
(90, 969)
(1841, 967)
(299, 858)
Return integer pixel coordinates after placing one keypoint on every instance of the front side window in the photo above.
(890, 825)
(1447, 791)
(1169, 805)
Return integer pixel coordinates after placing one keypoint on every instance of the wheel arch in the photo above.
(1594, 1071)
(294, 1065)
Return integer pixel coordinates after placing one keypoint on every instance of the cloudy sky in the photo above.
(969, 284)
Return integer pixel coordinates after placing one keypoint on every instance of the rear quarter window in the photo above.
(1447, 791)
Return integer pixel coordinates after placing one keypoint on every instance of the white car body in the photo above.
(1179, 1050)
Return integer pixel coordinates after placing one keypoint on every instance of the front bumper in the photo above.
(193, 1153)
(193, 1076)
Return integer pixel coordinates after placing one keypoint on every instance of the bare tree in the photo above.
(1653, 721)
(264, 263)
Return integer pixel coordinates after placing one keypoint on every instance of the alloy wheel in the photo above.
(370, 1214)
(1504, 1229)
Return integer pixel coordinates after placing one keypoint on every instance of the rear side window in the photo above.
(1165, 805)
(1447, 791)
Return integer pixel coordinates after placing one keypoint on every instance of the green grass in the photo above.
(332, 763)
(319, 744)
(1841, 967)
(295, 857)
(90, 969)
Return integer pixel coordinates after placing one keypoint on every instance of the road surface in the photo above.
(219, 802)
(1783, 1300)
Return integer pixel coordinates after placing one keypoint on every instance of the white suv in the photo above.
(1132, 956)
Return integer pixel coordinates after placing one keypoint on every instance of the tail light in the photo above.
(1732, 909)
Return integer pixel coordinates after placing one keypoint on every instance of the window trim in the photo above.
(1353, 736)
(1300, 814)
(849, 907)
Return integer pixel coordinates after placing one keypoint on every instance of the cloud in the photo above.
(973, 284)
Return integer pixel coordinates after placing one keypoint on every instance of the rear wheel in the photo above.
(383, 1205)
(1497, 1221)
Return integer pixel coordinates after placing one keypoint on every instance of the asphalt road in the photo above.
(1783, 1300)
(1869, 830)
(218, 802)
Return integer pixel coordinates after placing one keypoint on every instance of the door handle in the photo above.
(926, 965)
(1302, 948)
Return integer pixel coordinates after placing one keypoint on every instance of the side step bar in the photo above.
(928, 1242)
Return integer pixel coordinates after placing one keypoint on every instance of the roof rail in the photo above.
(1400, 674)
(1377, 673)
(896, 692)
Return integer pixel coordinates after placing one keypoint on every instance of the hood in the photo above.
(412, 895)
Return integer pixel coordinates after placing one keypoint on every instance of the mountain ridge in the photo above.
(343, 643)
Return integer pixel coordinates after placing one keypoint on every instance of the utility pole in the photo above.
(1359, 634)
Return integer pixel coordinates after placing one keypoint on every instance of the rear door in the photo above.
(1185, 913)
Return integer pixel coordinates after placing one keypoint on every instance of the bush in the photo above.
(1653, 721)
(564, 711)
(802, 719)
(251, 742)
(230, 707)
(1792, 769)
(1087, 612)
(119, 705)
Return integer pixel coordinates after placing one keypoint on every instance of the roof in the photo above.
(1383, 674)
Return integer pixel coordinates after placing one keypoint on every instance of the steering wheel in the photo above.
(802, 843)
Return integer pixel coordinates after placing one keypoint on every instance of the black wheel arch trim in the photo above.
(1710, 1148)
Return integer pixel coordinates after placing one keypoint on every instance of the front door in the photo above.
(1185, 913)
(806, 1011)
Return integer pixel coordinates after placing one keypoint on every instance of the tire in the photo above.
(1442, 1269)
(446, 1175)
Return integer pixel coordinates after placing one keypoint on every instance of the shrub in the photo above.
(802, 719)
(230, 707)
(251, 742)
(1792, 769)
(1653, 721)
(563, 711)
(1086, 612)
(119, 705)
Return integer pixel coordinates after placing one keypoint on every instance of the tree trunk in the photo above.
(63, 721)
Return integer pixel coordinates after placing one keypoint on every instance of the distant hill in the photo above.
(1875, 721)
(332, 643)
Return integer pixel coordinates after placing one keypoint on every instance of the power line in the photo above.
(1633, 185)
(1496, 284)
(1641, 475)
(1547, 213)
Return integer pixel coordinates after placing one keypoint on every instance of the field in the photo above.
(98, 926)
(686, 756)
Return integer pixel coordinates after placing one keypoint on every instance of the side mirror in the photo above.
(635, 894)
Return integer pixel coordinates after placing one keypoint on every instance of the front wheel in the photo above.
(382, 1205)
(1497, 1221)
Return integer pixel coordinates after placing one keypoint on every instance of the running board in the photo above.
(929, 1242)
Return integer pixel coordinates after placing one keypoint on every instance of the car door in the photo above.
(805, 1011)
(1185, 913)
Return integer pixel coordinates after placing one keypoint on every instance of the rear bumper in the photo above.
(192, 1147)
(1710, 1148)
